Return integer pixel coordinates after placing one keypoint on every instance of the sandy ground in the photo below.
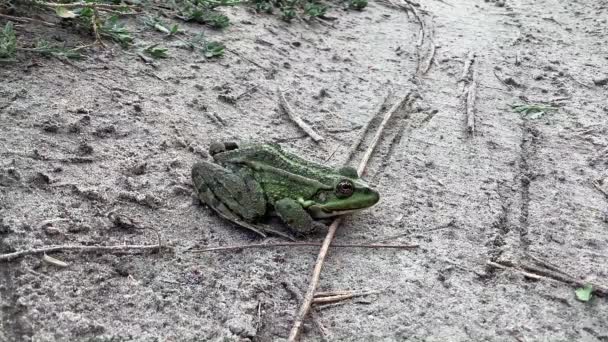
(83, 142)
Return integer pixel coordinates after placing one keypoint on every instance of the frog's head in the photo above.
(348, 193)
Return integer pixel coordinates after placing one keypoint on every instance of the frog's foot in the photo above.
(222, 146)
(296, 217)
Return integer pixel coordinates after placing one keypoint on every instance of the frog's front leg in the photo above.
(229, 192)
(295, 216)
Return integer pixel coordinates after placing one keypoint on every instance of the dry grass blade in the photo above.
(540, 274)
(338, 296)
(314, 282)
(471, 96)
(296, 118)
(298, 244)
(79, 249)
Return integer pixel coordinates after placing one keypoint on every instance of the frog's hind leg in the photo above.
(235, 196)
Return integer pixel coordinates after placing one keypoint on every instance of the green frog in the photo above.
(250, 182)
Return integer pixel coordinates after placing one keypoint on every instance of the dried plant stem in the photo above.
(338, 296)
(470, 108)
(299, 244)
(79, 249)
(374, 142)
(296, 118)
(101, 6)
(314, 281)
(26, 20)
(539, 274)
(355, 145)
(467, 66)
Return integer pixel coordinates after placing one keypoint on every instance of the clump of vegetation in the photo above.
(8, 42)
(102, 18)
(532, 111)
(290, 9)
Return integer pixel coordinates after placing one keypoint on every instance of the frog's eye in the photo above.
(345, 189)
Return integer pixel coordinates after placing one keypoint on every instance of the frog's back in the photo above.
(273, 155)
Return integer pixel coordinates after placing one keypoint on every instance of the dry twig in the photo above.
(299, 244)
(314, 282)
(540, 274)
(240, 55)
(80, 249)
(296, 118)
(599, 188)
(26, 20)
(429, 62)
(296, 293)
(355, 145)
(338, 296)
(467, 66)
(470, 106)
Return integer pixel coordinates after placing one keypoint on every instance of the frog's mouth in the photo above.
(317, 212)
(344, 206)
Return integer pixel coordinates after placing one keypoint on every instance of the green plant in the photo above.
(532, 111)
(202, 11)
(314, 9)
(8, 42)
(159, 25)
(357, 4)
(156, 51)
(209, 49)
(584, 294)
(45, 48)
(213, 49)
(116, 31)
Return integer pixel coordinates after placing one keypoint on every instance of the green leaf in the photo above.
(584, 294)
(156, 52)
(8, 42)
(116, 31)
(358, 4)
(213, 49)
(65, 13)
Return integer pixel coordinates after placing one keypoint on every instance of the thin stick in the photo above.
(340, 297)
(296, 119)
(314, 281)
(79, 249)
(357, 143)
(248, 59)
(534, 273)
(84, 4)
(26, 20)
(471, 95)
(299, 244)
(430, 59)
(372, 147)
(467, 66)
(502, 81)
(296, 293)
(599, 188)
(421, 33)
(95, 29)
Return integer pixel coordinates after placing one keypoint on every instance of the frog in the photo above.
(246, 183)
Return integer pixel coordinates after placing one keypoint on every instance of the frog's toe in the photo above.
(296, 218)
(220, 146)
(216, 147)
